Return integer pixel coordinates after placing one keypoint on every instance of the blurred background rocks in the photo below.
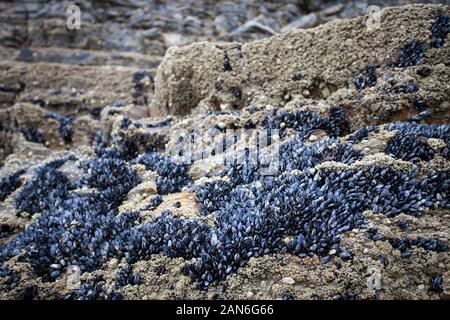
(110, 63)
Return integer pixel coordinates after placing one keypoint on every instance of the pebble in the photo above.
(334, 9)
(252, 213)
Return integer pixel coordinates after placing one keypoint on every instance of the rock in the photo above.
(152, 33)
(51, 84)
(264, 69)
(253, 27)
(84, 129)
(325, 93)
(307, 21)
(204, 168)
(173, 39)
(331, 10)
(224, 24)
(137, 112)
(143, 137)
(87, 57)
(97, 84)
(446, 295)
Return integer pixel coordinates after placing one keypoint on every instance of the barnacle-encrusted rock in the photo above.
(100, 201)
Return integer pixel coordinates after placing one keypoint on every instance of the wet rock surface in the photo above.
(120, 181)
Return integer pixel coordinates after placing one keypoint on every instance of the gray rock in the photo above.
(333, 9)
(151, 33)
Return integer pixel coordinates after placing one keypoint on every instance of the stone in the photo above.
(188, 75)
(331, 10)
(288, 280)
(307, 21)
